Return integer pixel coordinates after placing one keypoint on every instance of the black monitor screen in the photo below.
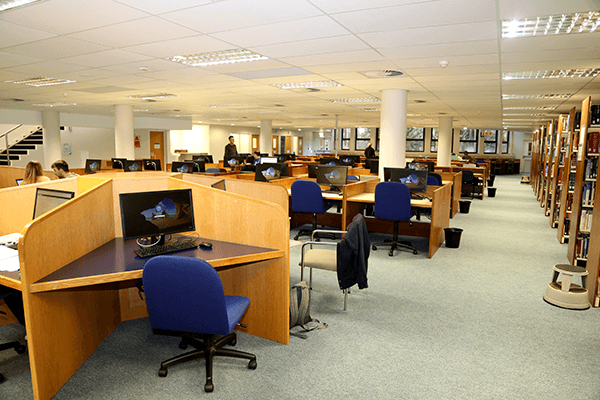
(146, 214)
(421, 165)
(118, 163)
(285, 169)
(133, 165)
(415, 180)
(312, 170)
(332, 175)
(199, 166)
(233, 161)
(268, 160)
(48, 199)
(373, 166)
(91, 166)
(207, 159)
(329, 161)
(151, 164)
(187, 167)
(267, 172)
(349, 160)
(219, 184)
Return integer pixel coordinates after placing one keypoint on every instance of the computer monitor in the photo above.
(283, 157)
(373, 166)
(268, 160)
(267, 172)
(312, 170)
(147, 214)
(233, 161)
(206, 158)
(329, 161)
(333, 175)
(152, 164)
(285, 169)
(19, 181)
(186, 167)
(219, 185)
(92, 165)
(133, 165)
(350, 161)
(199, 166)
(421, 165)
(416, 180)
(49, 199)
(118, 163)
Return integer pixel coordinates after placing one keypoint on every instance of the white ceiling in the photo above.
(102, 44)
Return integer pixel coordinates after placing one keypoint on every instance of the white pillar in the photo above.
(444, 151)
(124, 132)
(392, 145)
(51, 138)
(264, 142)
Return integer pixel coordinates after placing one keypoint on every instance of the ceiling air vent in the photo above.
(387, 73)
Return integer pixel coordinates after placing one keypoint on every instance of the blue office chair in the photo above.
(307, 198)
(185, 298)
(14, 301)
(351, 178)
(392, 202)
(213, 170)
(434, 179)
(470, 183)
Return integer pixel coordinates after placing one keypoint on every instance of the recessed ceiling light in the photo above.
(8, 4)
(536, 96)
(549, 108)
(557, 24)
(371, 109)
(307, 85)
(218, 57)
(144, 69)
(387, 73)
(55, 104)
(153, 96)
(41, 81)
(356, 100)
(225, 105)
(557, 73)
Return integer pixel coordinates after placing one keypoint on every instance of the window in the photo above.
(363, 137)
(490, 142)
(468, 141)
(346, 136)
(434, 140)
(415, 139)
(505, 141)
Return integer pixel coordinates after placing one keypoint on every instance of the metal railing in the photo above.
(5, 135)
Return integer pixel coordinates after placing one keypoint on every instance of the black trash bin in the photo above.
(452, 236)
(491, 192)
(464, 206)
(491, 180)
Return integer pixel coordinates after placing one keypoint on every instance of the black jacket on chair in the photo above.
(353, 255)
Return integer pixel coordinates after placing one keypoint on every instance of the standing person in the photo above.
(230, 149)
(61, 170)
(370, 151)
(34, 173)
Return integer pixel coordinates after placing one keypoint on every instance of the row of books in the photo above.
(591, 168)
(585, 221)
(587, 195)
(593, 142)
(595, 115)
(571, 182)
(581, 247)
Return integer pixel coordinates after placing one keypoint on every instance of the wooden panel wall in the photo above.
(9, 175)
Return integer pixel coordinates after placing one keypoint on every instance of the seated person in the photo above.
(454, 157)
(251, 161)
(34, 173)
(466, 157)
(61, 170)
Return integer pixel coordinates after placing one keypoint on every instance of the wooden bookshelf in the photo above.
(558, 170)
(584, 194)
(568, 182)
(535, 156)
(549, 166)
(540, 163)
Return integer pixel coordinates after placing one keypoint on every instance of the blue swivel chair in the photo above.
(213, 170)
(352, 178)
(434, 179)
(185, 298)
(14, 302)
(307, 198)
(470, 184)
(392, 202)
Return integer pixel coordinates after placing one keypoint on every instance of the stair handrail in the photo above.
(5, 135)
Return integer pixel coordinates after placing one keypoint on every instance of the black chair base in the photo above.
(211, 347)
(395, 243)
(19, 348)
(308, 232)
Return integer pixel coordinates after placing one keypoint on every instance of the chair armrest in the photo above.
(324, 231)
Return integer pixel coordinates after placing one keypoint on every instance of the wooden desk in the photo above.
(68, 317)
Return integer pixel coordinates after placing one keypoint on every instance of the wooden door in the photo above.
(300, 146)
(274, 144)
(255, 143)
(288, 145)
(157, 146)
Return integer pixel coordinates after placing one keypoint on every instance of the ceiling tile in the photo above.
(105, 58)
(310, 47)
(184, 46)
(56, 47)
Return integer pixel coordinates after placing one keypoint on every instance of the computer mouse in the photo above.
(205, 245)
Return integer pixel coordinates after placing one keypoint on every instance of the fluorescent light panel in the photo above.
(536, 96)
(307, 85)
(218, 57)
(356, 100)
(543, 108)
(557, 24)
(41, 81)
(8, 4)
(225, 105)
(557, 73)
(55, 104)
(153, 96)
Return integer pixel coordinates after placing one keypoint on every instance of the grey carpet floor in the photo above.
(468, 324)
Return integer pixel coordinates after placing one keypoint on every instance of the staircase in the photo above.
(21, 148)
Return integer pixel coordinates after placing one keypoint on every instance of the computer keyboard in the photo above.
(339, 193)
(164, 249)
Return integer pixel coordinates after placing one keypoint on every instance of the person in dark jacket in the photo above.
(230, 149)
(353, 255)
(370, 151)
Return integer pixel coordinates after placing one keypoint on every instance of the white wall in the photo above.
(99, 143)
(219, 135)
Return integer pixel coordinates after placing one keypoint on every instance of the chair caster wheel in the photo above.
(233, 341)
(209, 387)
(183, 345)
(317, 239)
(252, 364)
(2, 379)
(374, 247)
(20, 349)
(415, 252)
(391, 253)
(162, 372)
(296, 237)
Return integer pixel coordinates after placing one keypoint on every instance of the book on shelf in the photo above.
(593, 138)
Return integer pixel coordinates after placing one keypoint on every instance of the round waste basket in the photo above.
(464, 206)
(491, 180)
(491, 192)
(452, 237)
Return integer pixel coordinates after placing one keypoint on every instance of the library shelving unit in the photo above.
(534, 171)
(541, 173)
(593, 260)
(568, 181)
(560, 149)
(549, 168)
(585, 190)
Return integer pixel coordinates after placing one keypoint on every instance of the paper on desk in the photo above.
(9, 259)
